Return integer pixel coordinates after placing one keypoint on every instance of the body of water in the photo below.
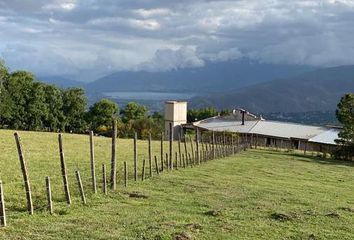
(149, 96)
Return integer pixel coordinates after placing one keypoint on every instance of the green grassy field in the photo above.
(257, 194)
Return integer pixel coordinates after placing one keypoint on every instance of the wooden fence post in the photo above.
(232, 144)
(192, 148)
(207, 145)
(190, 160)
(93, 170)
(150, 156)
(25, 174)
(161, 151)
(63, 170)
(213, 144)
(203, 147)
(162, 164)
(239, 143)
(171, 146)
(183, 161)
(49, 195)
(179, 149)
(186, 160)
(135, 157)
(156, 166)
(81, 188)
(114, 159)
(185, 145)
(167, 162)
(197, 145)
(143, 171)
(104, 179)
(125, 174)
(2, 207)
(176, 158)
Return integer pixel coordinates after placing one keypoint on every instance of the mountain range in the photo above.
(318, 90)
(213, 77)
(258, 87)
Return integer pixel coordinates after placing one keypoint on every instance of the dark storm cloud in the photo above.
(89, 38)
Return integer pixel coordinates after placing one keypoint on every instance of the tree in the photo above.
(200, 114)
(134, 111)
(101, 113)
(28, 104)
(345, 115)
(5, 111)
(74, 107)
(54, 119)
(19, 87)
(36, 108)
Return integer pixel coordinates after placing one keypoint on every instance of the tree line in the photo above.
(27, 104)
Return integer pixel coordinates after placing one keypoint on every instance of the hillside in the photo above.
(263, 200)
(318, 90)
(216, 76)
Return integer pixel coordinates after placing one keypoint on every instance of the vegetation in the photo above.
(30, 105)
(345, 115)
(134, 111)
(101, 114)
(26, 104)
(194, 115)
(257, 194)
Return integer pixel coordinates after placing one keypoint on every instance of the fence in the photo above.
(183, 153)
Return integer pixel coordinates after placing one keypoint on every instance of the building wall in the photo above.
(175, 114)
(303, 145)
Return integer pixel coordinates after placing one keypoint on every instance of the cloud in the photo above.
(168, 59)
(224, 55)
(60, 5)
(109, 22)
(147, 13)
(90, 38)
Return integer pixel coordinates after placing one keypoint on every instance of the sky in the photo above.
(86, 39)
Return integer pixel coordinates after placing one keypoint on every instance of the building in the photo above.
(176, 115)
(261, 132)
(254, 129)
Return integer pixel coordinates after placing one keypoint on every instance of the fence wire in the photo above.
(14, 188)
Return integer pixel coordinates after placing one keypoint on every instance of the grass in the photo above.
(257, 194)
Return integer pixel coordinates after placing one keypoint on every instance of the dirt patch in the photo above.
(182, 236)
(194, 226)
(213, 213)
(282, 217)
(332, 215)
(347, 209)
(138, 195)
(310, 212)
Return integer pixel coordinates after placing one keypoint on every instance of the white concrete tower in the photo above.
(176, 114)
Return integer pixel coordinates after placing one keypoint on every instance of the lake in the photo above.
(149, 96)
